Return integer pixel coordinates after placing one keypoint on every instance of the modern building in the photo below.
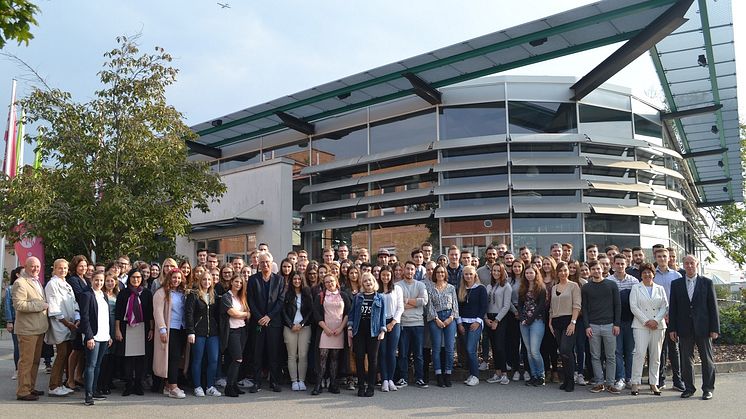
(439, 148)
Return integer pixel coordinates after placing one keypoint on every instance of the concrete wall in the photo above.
(247, 187)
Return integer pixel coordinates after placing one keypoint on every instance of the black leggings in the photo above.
(548, 350)
(133, 370)
(566, 346)
(176, 343)
(365, 345)
(106, 373)
(497, 342)
(332, 357)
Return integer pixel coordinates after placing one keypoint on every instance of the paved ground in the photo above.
(513, 400)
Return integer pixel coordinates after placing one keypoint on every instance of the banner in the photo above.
(29, 246)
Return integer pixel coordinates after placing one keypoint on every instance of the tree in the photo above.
(16, 18)
(730, 221)
(120, 181)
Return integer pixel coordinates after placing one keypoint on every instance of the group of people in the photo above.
(362, 323)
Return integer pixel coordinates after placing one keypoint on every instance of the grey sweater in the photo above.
(601, 303)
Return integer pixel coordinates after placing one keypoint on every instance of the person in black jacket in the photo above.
(201, 320)
(133, 326)
(297, 317)
(94, 328)
(234, 316)
(694, 319)
(266, 297)
(78, 268)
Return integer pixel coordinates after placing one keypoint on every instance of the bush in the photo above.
(733, 324)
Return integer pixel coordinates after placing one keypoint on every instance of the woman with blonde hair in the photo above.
(366, 330)
(203, 333)
(472, 307)
(168, 313)
(168, 265)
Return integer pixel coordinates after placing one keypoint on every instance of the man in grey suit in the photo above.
(694, 320)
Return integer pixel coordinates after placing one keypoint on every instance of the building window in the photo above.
(338, 145)
(541, 117)
(407, 130)
(595, 120)
(646, 127)
(229, 247)
(475, 120)
(603, 223)
(542, 223)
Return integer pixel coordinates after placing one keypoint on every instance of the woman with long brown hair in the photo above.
(549, 344)
(235, 314)
(168, 313)
(563, 314)
(186, 270)
(441, 312)
(531, 307)
(331, 308)
(499, 293)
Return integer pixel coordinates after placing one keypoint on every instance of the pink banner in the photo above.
(30, 246)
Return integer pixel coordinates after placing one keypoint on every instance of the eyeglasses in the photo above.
(227, 272)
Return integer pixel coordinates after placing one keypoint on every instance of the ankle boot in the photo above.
(440, 380)
(317, 388)
(447, 380)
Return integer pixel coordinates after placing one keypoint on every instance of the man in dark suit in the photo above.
(266, 295)
(694, 320)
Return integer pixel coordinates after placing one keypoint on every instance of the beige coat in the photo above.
(162, 317)
(31, 316)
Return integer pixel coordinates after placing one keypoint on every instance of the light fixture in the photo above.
(714, 129)
(216, 123)
(537, 42)
(702, 60)
(725, 189)
(343, 96)
(720, 163)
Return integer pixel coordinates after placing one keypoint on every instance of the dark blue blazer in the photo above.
(696, 318)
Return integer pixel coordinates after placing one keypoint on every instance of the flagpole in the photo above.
(10, 144)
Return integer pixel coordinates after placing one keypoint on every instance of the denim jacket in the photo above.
(377, 314)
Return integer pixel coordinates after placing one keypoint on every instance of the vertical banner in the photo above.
(29, 246)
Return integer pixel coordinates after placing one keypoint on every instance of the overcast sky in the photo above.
(256, 51)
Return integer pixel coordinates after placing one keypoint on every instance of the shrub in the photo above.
(733, 324)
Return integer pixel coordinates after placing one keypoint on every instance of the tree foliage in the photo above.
(730, 221)
(117, 178)
(16, 18)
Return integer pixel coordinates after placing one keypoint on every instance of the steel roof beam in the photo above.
(296, 123)
(713, 181)
(715, 203)
(424, 90)
(704, 153)
(661, 27)
(690, 112)
(206, 150)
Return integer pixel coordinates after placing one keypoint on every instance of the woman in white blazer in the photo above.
(649, 305)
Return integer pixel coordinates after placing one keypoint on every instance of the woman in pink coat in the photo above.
(168, 313)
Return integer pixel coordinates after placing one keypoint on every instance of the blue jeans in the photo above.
(471, 342)
(625, 346)
(16, 353)
(532, 337)
(411, 340)
(442, 338)
(93, 358)
(210, 346)
(387, 352)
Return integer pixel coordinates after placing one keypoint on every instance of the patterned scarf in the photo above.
(133, 313)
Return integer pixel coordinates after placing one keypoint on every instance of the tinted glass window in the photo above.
(644, 126)
(546, 223)
(602, 223)
(541, 117)
(401, 132)
(339, 145)
(595, 120)
(474, 120)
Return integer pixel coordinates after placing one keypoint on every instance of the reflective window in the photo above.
(538, 172)
(546, 196)
(595, 120)
(475, 199)
(473, 120)
(400, 238)
(603, 240)
(483, 224)
(603, 223)
(339, 145)
(541, 117)
(484, 152)
(240, 160)
(541, 243)
(606, 150)
(297, 152)
(644, 126)
(466, 177)
(402, 131)
(540, 223)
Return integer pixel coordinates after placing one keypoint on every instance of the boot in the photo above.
(447, 380)
(230, 391)
(333, 386)
(369, 391)
(360, 390)
(127, 390)
(317, 388)
(440, 380)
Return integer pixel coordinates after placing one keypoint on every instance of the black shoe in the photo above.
(679, 387)
(706, 395)
(563, 386)
(238, 390)
(687, 394)
(127, 391)
(570, 387)
(439, 379)
(98, 396)
(106, 391)
(361, 391)
(539, 382)
(230, 391)
(253, 389)
(530, 382)
(369, 392)
(317, 389)
(88, 399)
(447, 380)
(276, 388)
(138, 390)
(333, 388)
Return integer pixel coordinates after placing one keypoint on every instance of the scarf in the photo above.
(133, 313)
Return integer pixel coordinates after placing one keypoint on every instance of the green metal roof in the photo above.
(576, 30)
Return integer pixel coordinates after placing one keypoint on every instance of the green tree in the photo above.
(16, 18)
(730, 221)
(117, 177)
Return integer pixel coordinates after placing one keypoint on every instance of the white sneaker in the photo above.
(392, 386)
(294, 387)
(526, 376)
(580, 380)
(68, 390)
(212, 391)
(14, 376)
(516, 376)
(221, 382)
(302, 386)
(166, 391)
(246, 383)
(472, 381)
(619, 385)
(484, 366)
(199, 392)
(504, 379)
(385, 386)
(176, 393)
(58, 392)
(494, 379)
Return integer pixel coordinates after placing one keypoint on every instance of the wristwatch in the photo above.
(573, 321)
